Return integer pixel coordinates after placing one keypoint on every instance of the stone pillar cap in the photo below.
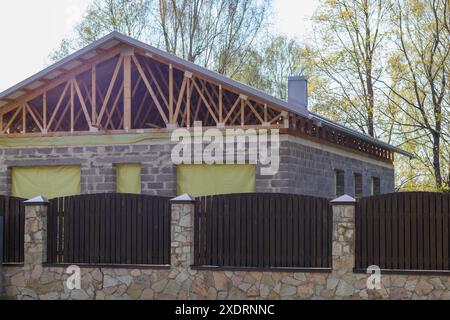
(184, 198)
(344, 199)
(39, 200)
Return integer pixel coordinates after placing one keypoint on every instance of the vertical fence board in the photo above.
(407, 210)
(413, 233)
(420, 231)
(413, 229)
(432, 234)
(109, 229)
(262, 230)
(445, 233)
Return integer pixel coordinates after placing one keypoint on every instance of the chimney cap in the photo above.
(297, 78)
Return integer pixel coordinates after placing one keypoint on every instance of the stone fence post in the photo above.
(35, 234)
(182, 245)
(343, 234)
(182, 231)
(343, 249)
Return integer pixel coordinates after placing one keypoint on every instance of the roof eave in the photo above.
(361, 135)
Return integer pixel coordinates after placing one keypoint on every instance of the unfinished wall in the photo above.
(308, 168)
(305, 167)
(158, 174)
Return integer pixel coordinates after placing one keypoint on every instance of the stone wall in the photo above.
(34, 281)
(305, 167)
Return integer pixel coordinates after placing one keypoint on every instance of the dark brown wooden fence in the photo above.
(263, 231)
(109, 229)
(13, 211)
(403, 231)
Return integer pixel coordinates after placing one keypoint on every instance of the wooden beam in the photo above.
(83, 103)
(232, 109)
(180, 99)
(44, 110)
(127, 92)
(63, 115)
(220, 104)
(12, 119)
(34, 117)
(205, 101)
(170, 93)
(200, 76)
(72, 106)
(113, 108)
(94, 93)
(158, 87)
(255, 112)
(265, 113)
(63, 78)
(24, 119)
(188, 103)
(110, 88)
(242, 112)
(150, 89)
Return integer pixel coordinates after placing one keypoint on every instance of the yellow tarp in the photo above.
(47, 181)
(201, 180)
(99, 139)
(128, 178)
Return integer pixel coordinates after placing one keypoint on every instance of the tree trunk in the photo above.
(437, 159)
(371, 102)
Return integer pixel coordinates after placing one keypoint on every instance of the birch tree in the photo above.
(419, 85)
(349, 56)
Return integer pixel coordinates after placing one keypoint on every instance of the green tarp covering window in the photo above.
(201, 180)
(47, 181)
(128, 178)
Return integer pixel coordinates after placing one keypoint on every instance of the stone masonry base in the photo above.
(106, 283)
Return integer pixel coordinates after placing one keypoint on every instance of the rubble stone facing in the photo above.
(34, 281)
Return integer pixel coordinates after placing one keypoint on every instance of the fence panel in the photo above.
(403, 231)
(263, 230)
(109, 229)
(12, 210)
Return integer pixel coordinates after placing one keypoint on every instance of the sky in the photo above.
(30, 30)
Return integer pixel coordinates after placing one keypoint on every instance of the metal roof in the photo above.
(115, 37)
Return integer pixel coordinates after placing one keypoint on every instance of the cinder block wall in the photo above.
(308, 168)
(158, 174)
(305, 167)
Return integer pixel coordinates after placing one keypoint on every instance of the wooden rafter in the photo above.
(110, 88)
(58, 105)
(150, 89)
(33, 115)
(82, 102)
(85, 97)
(62, 79)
